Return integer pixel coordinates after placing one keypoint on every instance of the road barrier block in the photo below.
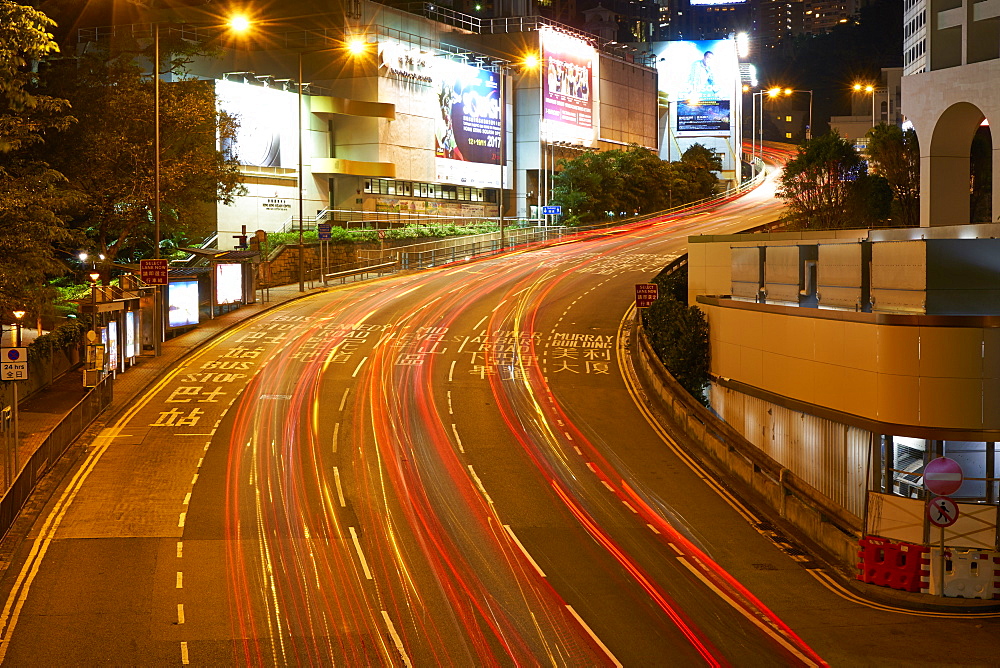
(897, 565)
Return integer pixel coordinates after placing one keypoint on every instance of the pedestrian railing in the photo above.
(52, 448)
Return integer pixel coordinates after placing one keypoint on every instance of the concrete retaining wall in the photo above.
(762, 478)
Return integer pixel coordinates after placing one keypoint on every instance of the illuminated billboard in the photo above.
(182, 303)
(268, 126)
(569, 76)
(466, 124)
(700, 80)
(228, 283)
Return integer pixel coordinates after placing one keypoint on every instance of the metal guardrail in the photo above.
(52, 448)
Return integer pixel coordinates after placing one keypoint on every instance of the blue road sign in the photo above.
(554, 210)
(323, 230)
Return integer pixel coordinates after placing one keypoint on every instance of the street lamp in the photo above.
(870, 90)
(17, 337)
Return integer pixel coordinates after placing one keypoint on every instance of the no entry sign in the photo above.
(943, 476)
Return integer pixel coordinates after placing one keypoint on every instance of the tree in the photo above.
(678, 334)
(895, 156)
(32, 195)
(632, 181)
(817, 183)
(109, 155)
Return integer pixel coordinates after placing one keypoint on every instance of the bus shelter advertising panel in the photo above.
(182, 303)
(700, 79)
(466, 124)
(228, 283)
(569, 66)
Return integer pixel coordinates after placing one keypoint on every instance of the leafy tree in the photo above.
(109, 157)
(632, 181)
(895, 156)
(32, 195)
(818, 183)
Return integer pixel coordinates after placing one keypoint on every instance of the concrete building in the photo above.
(856, 357)
(883, 104)
(401, 114)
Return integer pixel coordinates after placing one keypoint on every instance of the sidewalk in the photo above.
(40, 413)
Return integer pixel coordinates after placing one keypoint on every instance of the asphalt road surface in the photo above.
(443, 468)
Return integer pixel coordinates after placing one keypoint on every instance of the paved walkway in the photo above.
(40, 413)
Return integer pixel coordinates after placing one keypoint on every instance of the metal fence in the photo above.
(52, 448)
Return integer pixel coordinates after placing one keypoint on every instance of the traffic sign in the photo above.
(323, 230)
(13, 364)
(943, 476)
(646, 294)
(154, 272)
(942, 511)
(381, 235)
(553, 210)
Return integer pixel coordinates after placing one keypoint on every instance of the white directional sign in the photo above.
(13, 364)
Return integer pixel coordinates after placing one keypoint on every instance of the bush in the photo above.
(678, 334)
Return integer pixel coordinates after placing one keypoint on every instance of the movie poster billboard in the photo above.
(467, 124)
(268, 132)
(700, 80)
(569, 68)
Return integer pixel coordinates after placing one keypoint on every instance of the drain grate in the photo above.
(764, 567)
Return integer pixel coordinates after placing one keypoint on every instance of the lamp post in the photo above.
(17, 436)
(504, 68)
(869, 89)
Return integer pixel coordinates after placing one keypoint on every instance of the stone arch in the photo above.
(944, 166)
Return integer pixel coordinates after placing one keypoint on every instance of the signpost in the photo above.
(646, 294)
(323, 231)
(13, 366)
(154, 272)
(552, 210)
(942, 476)
(324, 235)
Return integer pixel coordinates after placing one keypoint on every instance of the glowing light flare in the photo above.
(239, 23)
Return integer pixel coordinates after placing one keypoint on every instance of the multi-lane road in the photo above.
(450, 467)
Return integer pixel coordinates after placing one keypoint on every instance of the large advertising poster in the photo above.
(267, 136)
(700, 79)
(568, 80)
(467, 124)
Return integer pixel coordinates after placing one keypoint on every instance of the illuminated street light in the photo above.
(870, 90)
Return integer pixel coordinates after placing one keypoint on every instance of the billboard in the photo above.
(182, 303)
(228, 283)
(268, 126)
(569, 76)
(700, 80)
(466, 124)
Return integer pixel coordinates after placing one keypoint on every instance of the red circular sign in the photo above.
(943, 476)
(942, 511)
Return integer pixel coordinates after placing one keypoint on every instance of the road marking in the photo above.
(181, 520)
(499, 305)
(451, 374)
(477, 325)
(340, 490)
(361, 555)
(396, 640)
(458, 439)
(201, 460)
(479, 483)
(355, 374)
(466, 340)
(578, 450)
(629, 506)
(594, 636)
(568, 437)
(608, 485)
(187, 499)
(336, 433)
(590, 465)
(180, 580)
(526, 554)
(450, 411)
(180, 549)
(194, 479)
(184, 653)
(180, 613)
(653, 529)
(780, 638)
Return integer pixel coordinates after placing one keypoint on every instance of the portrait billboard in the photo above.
(228, 283)
(569, 69)
(466, 124)
(268, 127)
(182, 303)
(700, 80)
